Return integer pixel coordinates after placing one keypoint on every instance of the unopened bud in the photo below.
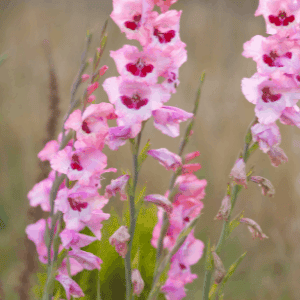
(119, 239)
(266, 185)
(220, 271)
(85, 77)
(103, 70)
(92, 87)
(191, 156)
(254, 228)
(91, 98)
(137, 281)
(277, 156)
(225, 208)
(238, 172)
(190, 168)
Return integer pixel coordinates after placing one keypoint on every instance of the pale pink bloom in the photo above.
(225, 208)
(103, 70)
(238, 172)
(277, 156)
(168, 159)
(272, 53)
(88, 260)
(117, 185)
(91, 127)
(191, 156)
(164, 4)
(279, 15)
(131, 16)
(134, 101)
(91, 98)
(48, 151)
(173, 290)
(70, 286)
(271, 97)
(254, 228)
(119, 239)
(144, 66)
(265, 184)
(118, 136)
(161, 201)
(291, 116)
(71, 238)
(190, 168)
(137, 281)
(92, 87)
(165, 30)
(80, 164)
(85, 77)
(167, 119)
(266, 135)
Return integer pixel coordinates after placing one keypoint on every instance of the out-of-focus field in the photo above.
(214, 32)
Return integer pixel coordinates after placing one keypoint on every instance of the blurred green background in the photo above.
(214, 32)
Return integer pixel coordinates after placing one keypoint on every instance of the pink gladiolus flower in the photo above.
(137, 281)
(88, 260)
(266, 135)
(117, 185)
(80, 164)
(75, 267)
(48, 151)
(70, 286)
(167, 119)
(134, 101)
(131, 16)
(164, 4)
(190, 186)
(238, 172)
(119, 239)
(291, 116)
(169, 160)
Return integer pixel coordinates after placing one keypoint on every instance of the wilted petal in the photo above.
(70, 286)
(137, 281)
(266, 185)
(254, 228)
(225, 208)
(238, 172)
(277, 156)
(119, 239)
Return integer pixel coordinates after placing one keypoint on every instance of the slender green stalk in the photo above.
(135, 151)
(234, 194)
(183, 143)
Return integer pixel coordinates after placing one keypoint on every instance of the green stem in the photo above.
(235, 191)
(135, 150)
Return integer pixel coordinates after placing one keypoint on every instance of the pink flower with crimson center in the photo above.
(131, 16)
(279, 15)
(143, 66)
(271, 97)
(80, 164)
(273, 53)
(134, 101)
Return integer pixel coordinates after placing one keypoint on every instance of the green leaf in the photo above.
(230, 272)
(57, 296)
(233, 224)
(213, 292)
(139, 201)
(143, 155)
(209, 260)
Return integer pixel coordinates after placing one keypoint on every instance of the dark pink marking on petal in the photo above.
(85, 127)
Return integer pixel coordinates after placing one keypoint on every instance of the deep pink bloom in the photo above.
(169, 160)
(92, 87)
(266, 135)
(191, 156)
(190, 168)
(134, 101)
(70, 286)
(168, 118)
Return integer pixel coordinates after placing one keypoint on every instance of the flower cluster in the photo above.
(186, 206)
(136, 93)
(275, 88)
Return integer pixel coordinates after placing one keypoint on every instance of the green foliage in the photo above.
(3, 57)
(232, 225)
(209, 260)
(143, 154)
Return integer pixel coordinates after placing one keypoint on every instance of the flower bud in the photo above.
(85, 77)
(191, 156)
(254, 228)
(277, 156)
(266, 185)
(225, 208)
(91, 98)
(92, 87)
(119, 239)
(238, 172)
(103, 70)
(161, 201)
(137, 281)
(220, 271)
